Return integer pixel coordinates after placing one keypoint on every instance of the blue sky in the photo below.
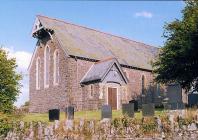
(142, 21)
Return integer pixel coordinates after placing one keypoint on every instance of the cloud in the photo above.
(23, 59)
(144, 14)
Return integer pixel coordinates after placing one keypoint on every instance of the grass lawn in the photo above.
(81, 114)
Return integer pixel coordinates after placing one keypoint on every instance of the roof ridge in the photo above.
(95, 30)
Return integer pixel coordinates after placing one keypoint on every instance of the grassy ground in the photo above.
(81, 114)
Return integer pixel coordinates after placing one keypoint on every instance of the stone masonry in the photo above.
(69, 91)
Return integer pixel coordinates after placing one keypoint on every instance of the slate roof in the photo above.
(88, 43)
(98, 71)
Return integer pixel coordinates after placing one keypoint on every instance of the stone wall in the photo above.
(56, 95)
(69, 90)
(164, 127)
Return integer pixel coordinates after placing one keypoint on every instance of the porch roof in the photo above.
(99, 70)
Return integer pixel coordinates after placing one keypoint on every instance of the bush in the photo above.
(5, 124)
(148, 125)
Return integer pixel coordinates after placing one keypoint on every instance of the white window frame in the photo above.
(45, 60)
(56, 68)
(91, 91)
(38, 72)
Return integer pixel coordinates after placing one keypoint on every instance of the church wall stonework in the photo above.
(55, 96)
(69, 91)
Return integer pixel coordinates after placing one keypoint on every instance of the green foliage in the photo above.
(116, 123)
(9, 82)
(125, 121)
(7, 122)
(178, 59)
(148, 125)
(5, 125)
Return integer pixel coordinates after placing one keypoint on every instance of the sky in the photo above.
(137, 20)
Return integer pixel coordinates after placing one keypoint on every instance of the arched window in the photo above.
(56, 67)
(38, 73)
(46, 66)
(143, 84)
(91, 91)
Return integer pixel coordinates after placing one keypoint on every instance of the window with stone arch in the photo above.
(143, 84)
(91, 91)
(56, 67)
(38, 73)
(46, 66)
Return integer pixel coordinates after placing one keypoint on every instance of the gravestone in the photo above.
(135, 102)
(69, 111)
(192, 100)
(174, 106)
(148, 110)
(54, 114)
(128, 109)
(106, 111)
(174, 94)
(167, 106)
(180, 105)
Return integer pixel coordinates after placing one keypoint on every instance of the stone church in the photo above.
(86, 68)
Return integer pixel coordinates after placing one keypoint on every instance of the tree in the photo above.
(9, 82)
(178, 59)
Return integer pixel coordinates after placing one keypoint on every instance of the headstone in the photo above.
(148, 110)
(54, 114)
(69, 112)
(192, 100)
(174, 94)
(135, 102)
(106, 111)
(167, 106)
(175, 106)
(128, 109)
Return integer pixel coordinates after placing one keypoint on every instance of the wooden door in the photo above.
(112, 97)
